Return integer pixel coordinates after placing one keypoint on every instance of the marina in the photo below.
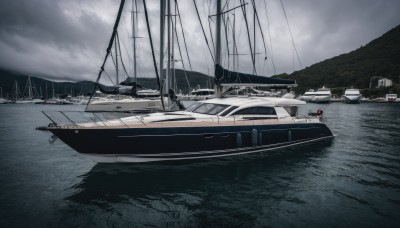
(355, 174)
(196, 113)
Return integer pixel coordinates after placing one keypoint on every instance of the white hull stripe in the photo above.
(135, 158)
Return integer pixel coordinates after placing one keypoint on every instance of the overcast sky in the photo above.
(67, 39)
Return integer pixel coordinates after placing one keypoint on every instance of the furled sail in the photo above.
(225, 77)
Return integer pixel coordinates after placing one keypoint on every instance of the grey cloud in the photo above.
(67, 39)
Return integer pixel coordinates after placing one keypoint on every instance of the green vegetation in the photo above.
(380, 57)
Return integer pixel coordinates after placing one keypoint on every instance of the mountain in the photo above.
(380, 57)
(8, 78)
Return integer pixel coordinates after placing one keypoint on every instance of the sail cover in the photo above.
(225, 77)
(130, 81)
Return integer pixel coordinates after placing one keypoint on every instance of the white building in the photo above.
(384, 82)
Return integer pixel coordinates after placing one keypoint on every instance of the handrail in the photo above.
(78, 119)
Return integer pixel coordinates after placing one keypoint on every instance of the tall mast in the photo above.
(162, 38)
(254, 37)
(134, 36)
(29, 87)
(173, 49)
(168, 46)
(116, 59)
(218, 43)
(53, 90)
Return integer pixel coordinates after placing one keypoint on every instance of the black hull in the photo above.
(156, 144)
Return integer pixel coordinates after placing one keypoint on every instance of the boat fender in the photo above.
(320, 112)
(260, 139)
(238, 140)
(289, 136)
(254, 137)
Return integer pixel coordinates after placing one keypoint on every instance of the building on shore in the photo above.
(384, 82)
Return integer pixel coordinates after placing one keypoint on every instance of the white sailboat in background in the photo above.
(128, 96)
(29, 99)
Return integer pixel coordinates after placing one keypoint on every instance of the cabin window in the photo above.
(202, 93)
(210, 109)
(229, 110)
(292, 110)
(193, 106)
(256, 111)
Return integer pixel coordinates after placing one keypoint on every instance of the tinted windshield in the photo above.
(193, 106)
(256, 111)
(208, 108)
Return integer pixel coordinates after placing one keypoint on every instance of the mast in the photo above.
(16, 90)
(53, 90)
(116, 60)
(254, 38)
(134, 35)
(168, 76)
(162, 38)
(153, 55)
(29, 87)
(173, 50)
(218, 43)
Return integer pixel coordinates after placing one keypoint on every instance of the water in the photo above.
(352, 181)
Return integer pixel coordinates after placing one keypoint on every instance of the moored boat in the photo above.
(217, 127)
(307, 95)
(352, 96)
(391, 97)
(211, 128)
(323, 95)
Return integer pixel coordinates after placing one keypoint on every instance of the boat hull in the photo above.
(146, 145)
(352, 99)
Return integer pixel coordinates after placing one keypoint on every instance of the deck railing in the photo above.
(80, 119)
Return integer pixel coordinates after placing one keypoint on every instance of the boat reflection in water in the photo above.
(182, 192)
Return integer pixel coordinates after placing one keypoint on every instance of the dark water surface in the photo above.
(352, 181)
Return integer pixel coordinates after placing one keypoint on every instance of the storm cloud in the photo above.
(66, 40)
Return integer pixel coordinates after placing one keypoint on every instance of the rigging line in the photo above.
(180, 53)
(110, 78)
(211, 34)
(108, 49)
(112, 58)
(262, 34)
(229, 10)
(204, 33)
(183, 34)
(259, 25)
(226, 36)
(291, 35)
(270, 38)
(209, 23)
(226, 3)
(234, 47)
(248, 36)
(152, 52)
(120, 56)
